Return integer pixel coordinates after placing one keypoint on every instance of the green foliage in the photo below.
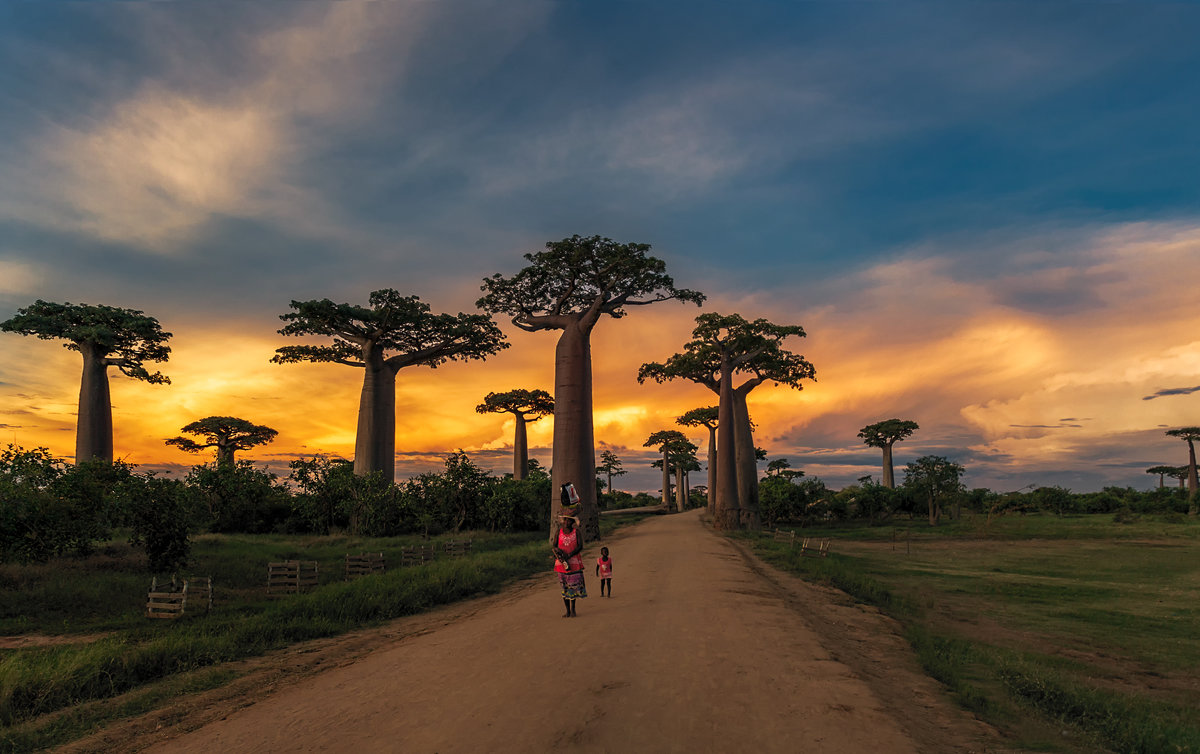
(751, 348)
(332, 497)
(239, 497)
(391, 322)
(125, 338)
(534, 403)
(159, 512)
(783, 498)
(581, 277)
(49, 508)
(885, 433)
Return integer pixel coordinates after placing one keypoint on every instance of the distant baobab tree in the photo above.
(610, 465)
(705, 417)
(106, 337)
(1179, 474)
(228, 434)
(526, 406)
(676, 450)
(363, 337)
(569, 287)
(722, 347)
(1190, 435)
(883, 435)
(1162, 472)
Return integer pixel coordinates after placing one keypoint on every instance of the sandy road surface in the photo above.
(698, 650)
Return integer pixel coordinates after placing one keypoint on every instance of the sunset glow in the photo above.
(1039, 323)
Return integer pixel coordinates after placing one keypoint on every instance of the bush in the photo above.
(240, 498)
(159, 512)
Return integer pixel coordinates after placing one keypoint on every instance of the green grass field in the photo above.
(1080, 620)
(50, 695)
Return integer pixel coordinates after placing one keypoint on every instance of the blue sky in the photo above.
(984, 214)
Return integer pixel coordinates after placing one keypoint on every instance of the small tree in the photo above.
(106, 337)
(526, 406)
(228, 434)
(1190, 435)
(883, 435)
(363, 337)
(1162, 471)
(935, 478)
(569, 287)
(782, 468)
(706, 417)
(611, 466)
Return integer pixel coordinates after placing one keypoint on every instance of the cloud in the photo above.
(1172, 391)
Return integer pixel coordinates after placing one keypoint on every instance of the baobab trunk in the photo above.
(520, 449)
(666, 482)
(680, 491)
(375, 446)
(728, 513)
(747, 463)
(712, 470)
(1193, 482)
(573, 459)
(93, 431)
(889, 477)
(224, 457)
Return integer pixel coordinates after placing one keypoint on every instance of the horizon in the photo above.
(984, 217)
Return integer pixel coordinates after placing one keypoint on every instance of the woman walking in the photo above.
(568, 561)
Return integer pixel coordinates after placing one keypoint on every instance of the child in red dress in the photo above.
(604, 571)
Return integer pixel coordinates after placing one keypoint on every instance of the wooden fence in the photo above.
(364, 564)
(171, 600)
(291, 576)
(459, 549)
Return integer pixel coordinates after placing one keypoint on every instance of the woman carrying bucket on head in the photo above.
(567, 544)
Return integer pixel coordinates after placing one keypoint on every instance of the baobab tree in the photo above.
(526, 406)
(884, 435)
(105, 336)
(228, 434)
(934, 477)
(722, 348)
(569, 287)
(666, 441)
(1162, 471)
(610, 465)
(706, 417)
(1190, 435)
(363, 336)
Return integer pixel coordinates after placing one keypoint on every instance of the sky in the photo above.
(985, 215)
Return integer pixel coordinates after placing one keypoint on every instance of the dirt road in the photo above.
(699, 649)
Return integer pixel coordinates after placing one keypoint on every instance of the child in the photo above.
(604, 571)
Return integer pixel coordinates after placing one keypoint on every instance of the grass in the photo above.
(1077, 620)
(138, 654)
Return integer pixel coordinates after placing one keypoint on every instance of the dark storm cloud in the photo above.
(1172, 391)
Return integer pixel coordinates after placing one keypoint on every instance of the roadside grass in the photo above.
(137, 653)
(1078, 620)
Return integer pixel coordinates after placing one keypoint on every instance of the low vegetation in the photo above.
(1086, 621)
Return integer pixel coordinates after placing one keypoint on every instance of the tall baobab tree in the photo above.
(363, 336)
(610, 465)
(722, 348)
(106, 337)
(569, 287)
(526, 406)
(228, 434)
(884, 435)
(1190, 435)
(706, 417)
